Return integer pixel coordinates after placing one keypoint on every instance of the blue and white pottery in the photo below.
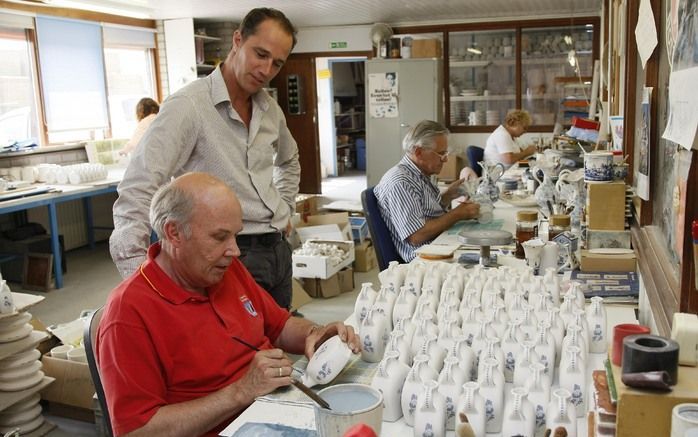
(598, 166)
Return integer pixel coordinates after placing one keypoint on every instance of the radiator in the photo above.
(71, 219)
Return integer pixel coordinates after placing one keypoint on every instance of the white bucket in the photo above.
(351, 404)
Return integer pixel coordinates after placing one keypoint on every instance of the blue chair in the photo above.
(475, 154)
(380, 235)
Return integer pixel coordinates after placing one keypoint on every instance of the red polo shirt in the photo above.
(159, 344)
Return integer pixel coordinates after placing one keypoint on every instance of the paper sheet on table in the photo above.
(683, 107)
(69, 333)
(451, 236)
(645, 32)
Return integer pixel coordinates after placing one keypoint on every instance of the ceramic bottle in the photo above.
(389, 380)
(434, 351)
(574, 337)
(433, 279)
(552, 284)
(448, 331)
(519, 415)
(465, 355)
(470, 410)
(425, 326)
(596, 318)
(528, 355)
(408, 327)
(561, 412)
(393, 276)
(538, 386)
(545, 348)
(451, 381)
(471, 323)
(499, 318)
(511, 348)
(374, 333)
(385, 302)
(573, 378)
(364, 301)
(398, 344)
(7, 304)
(491, 382)
(414, 277)
(557, 328)
(430, 415)
(579, 318)
(492, 349)
(418, 374)
(404, 305)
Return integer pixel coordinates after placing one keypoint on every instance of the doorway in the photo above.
(341, 124)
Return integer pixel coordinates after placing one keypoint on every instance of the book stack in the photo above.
(604, 409)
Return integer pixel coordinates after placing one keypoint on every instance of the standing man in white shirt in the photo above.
(228, 126)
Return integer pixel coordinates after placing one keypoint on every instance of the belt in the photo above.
(267, 240)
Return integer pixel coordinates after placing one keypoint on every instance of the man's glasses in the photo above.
(442, 155)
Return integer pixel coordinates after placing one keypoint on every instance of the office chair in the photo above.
(475, 154)
(380, 235)
(89, 335)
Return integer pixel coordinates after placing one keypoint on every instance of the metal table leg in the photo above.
(55, 244)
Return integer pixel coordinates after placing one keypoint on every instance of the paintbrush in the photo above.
(299, 385)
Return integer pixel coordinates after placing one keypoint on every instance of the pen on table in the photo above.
(255, 348)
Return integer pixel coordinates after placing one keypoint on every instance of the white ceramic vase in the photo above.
(511, 348)
(596, 318)
(573, 378)
(451, 381)
(418, 374)
(431, 348)
(491, 382)
(430, 416)
(425, 326)
(404, 305)
(545, 348)
(398, 344)
(470, 411)
(561, 413)
(465, 355)
(519, 415)
(538, 386)
(364, 301)
(527, 356)
(492, 349)
(374, 333)
(389, 380)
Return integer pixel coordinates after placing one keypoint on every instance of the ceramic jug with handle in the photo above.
(488, 183)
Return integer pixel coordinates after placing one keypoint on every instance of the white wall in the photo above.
(325, 119)
(317, 39)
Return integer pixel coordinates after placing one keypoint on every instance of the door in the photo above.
(180, 51)
(297, 97)
(419, 98)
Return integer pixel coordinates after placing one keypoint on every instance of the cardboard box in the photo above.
(299, 296)
(73, 385)
(359, 228)
(306, 205)
(597, 262)
(606, 206)
(647, 412)
(307, 266)
(426, 48)
(334, 227)
(317, 287)
(451, 168)
(346, 280)
(365, 257)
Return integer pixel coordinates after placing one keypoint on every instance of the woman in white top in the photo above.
(501, 144)
(146, 110)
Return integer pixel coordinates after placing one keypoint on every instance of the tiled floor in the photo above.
(92, 275)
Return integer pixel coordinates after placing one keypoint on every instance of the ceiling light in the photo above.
(474, 50)
(106, 7)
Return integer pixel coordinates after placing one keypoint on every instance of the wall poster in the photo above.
(643, 169)
(383, 94)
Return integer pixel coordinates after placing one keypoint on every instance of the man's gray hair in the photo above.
(171, 204)
(423, 135)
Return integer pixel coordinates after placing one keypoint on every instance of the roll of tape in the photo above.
(684, 420)
(647, 353)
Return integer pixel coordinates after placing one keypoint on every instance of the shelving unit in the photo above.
(202, 68)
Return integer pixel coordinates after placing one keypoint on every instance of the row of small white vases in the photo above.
(452, 333)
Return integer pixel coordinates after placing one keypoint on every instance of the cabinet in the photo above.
(419, 97)
(542, 66)
(202, 67)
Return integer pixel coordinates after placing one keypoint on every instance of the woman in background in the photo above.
(146, 110)
(502, 145)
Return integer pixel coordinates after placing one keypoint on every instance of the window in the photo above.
(130, 77)
(129, 64)
(18, 115)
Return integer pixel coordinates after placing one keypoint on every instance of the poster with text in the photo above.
(382, 95)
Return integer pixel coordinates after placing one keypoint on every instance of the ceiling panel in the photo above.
(343, 12)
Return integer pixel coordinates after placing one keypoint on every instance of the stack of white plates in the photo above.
(469, 92)
(15, 327)
(20, 371)
(492, 117)
(25, 415)
(458, 113)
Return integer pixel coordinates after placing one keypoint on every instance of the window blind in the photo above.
(128, 36)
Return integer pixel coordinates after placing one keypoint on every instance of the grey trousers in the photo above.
(272, 268)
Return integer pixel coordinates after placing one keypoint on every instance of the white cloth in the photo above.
(197, 129)
(498, 143)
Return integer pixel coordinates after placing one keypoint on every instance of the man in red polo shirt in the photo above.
(165, 346)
